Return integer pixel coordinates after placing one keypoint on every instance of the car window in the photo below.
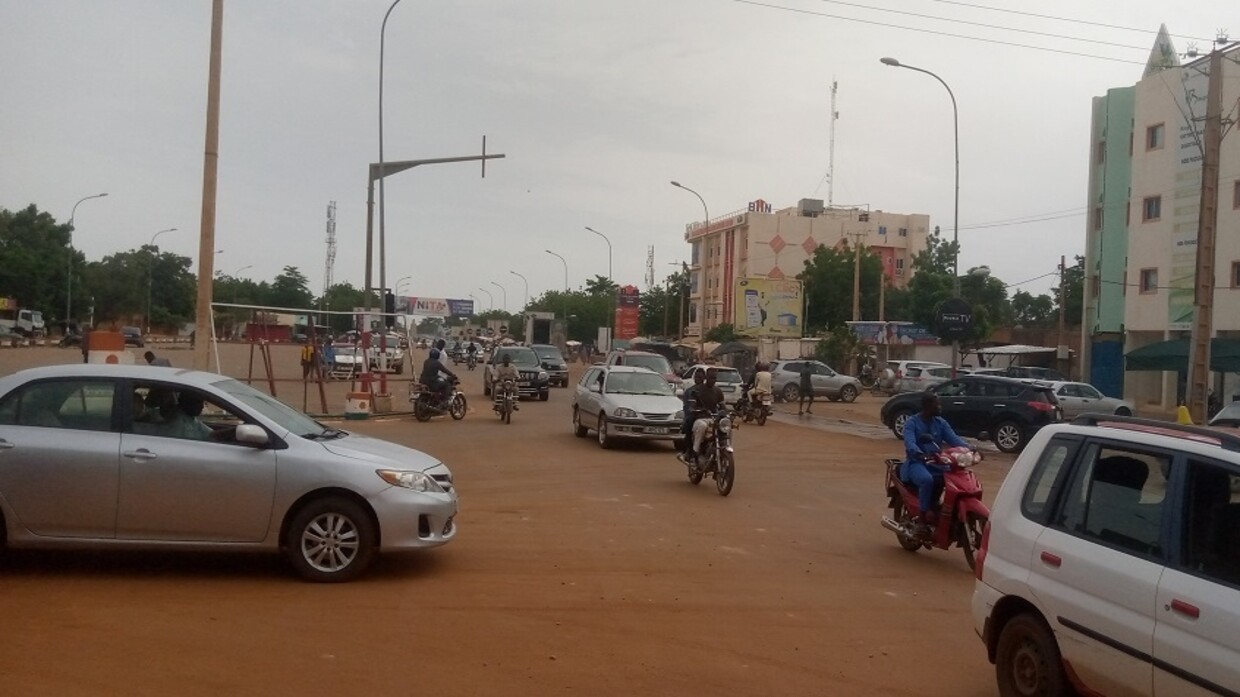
(1068, 391)
(1117, 498)
(157, 409)
(1089, 392)
(1036, 503)
(912, 373)
(793, 367)
(823, 370)
(79, 404)
(590, 376)
(275, 410)
(653, 362)
(639, 382)
(1212, 522)
(955, 388)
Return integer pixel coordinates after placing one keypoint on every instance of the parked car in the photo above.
(534, 379)
(621, 401)
(1009, 411)
(101, 456)
(133, 336)
(1076, 398)
(1026, 372)
(919, 378)
(553, 362)
(644, 359)
(1109, 565)
(728, 379)
(786, 381)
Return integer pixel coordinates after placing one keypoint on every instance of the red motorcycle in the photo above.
(962, 515)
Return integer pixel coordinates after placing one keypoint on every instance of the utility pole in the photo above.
(1061, 347)
(1207, 220)
(204, 318)
(856, 308)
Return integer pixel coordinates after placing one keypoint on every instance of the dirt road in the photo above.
(576, 571)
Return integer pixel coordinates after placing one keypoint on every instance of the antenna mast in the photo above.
(650, 268)
(835, 115)
(331, 250)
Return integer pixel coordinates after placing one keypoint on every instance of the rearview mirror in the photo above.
(595, 387)
(252, 434)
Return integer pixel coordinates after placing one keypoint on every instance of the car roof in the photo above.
(196, 378)
(625, 369)
(629, 352)
(1201, 440)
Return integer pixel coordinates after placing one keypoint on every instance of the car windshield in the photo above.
(520, 357)
(275, 410)
(727, 376)
(548, 353)
(656, 363)
(637, 383)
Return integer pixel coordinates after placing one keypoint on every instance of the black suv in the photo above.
(534, 381)
(1011, 411)
(133, 336)
(553, 362)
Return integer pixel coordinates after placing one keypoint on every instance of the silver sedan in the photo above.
(1076, 398)
(143, 457)
(626, 402)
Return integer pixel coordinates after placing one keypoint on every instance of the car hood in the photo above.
(381, 453)
(647, 404)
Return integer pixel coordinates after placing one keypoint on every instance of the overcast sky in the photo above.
(596, 103)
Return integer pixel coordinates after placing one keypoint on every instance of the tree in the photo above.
(828, 278)
(601, 285)
(840, 348)
(931, 285)
(1074, 293)
(660, 307)
(34, 261)
(586, 312)
(1032, 311)
(722, 333)
(430, 326)
(341, 297)
(290, 289)
(123, 283)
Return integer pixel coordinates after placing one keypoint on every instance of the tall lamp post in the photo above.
(956, 210)
(705, 224)
(69, 266)
(565, 263)
(503, 290)
(611, 320)
(527, 289)
(490, 297)
(150, 265)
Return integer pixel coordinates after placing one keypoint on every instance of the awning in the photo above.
(1173, 356)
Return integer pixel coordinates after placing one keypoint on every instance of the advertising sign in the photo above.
(893, 334)
(955, 319)
(435, 307)
(460, 308)
(627, 312)
(768, 307)
(1182, 206)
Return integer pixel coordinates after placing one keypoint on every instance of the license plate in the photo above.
(656, 430)
(523, 384)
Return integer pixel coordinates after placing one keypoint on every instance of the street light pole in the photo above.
(527, 289)
(69, 266)
(611, 319)
(956, 209)
(489, 297)
(504, 290)
(150, 265)
(705, 226)
(565, 263)
(608, 241)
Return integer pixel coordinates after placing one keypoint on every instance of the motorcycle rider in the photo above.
(686, 426)
(431, 369)
(761, 383)
(707, 400)
(505, 371)
(924, 433)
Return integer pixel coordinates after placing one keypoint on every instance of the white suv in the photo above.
(1111, 563)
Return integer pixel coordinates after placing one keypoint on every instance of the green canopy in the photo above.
(1173, 356)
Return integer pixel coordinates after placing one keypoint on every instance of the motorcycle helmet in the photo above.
(434, 354)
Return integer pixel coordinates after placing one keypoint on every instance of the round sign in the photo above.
(954, 319)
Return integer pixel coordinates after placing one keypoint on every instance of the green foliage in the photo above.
(1074, 292)
(1032, 311)
(430, 326)
(123, 283)
(601, 285)
(840, 348)
(931, 285)
(340, 297)
(722, 333)
(660, 307)
(828, 278)
(290, 289)
(34, 260)
(586, 312)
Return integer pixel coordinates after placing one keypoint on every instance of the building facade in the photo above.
(1145, 180)
(761, 242)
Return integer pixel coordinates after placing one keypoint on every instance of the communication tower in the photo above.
(331, 248)
(650, 268)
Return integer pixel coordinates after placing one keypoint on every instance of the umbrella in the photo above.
(730, 347)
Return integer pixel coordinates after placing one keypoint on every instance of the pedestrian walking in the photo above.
(807, 388)
(307, 361)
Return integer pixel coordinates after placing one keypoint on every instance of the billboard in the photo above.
(436, 307)
(893, 333)
(768, 307)
(628, 313)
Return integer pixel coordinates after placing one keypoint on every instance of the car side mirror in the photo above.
(251, 434)
(594, 387)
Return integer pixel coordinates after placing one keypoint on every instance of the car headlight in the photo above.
(542, 375)
(418, 481)
(626, 413)
(680, 416)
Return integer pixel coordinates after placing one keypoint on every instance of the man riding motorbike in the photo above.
(761, 383)
(505, 371)
(686, 425)
(432, 367)
(706, 401)
(924, 435)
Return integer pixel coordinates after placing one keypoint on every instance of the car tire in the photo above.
(1123, 411)
(579, 430)
(544, 395)
(1009, 437)
(848, 393)
(1027, 659)
(330, 540)
(898, 420)
(604, 438)
(791, 393)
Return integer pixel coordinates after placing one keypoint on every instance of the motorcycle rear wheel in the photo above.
(762, 417)
(901, 516)
(970, 538)
(507, 411)
(421, 410)
(725, 474)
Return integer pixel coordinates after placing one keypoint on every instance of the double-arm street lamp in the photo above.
(705, 225)
(490, 297)
(150, 265)
(69, 266)
(956, 209)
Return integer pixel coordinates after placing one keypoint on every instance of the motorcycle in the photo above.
(867, 378)
(427, 403)
(472, 361)
(505, 401)
(962, 515)
(717, 457)
(755, 411)
(456, 356)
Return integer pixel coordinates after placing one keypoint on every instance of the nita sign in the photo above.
(435, 307)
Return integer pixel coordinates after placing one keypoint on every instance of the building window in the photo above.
(1235, 274)
(1098, 218)
(1149, 280)
(903, 232)
(1100, 152)
(899, 267)
(882, 229)
(1151, 208)
(1155, 137)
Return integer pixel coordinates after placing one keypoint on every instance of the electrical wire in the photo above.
(1078, 54)
(1062, 19)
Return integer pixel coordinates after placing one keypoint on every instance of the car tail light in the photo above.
(980, 556)
(1042, 406)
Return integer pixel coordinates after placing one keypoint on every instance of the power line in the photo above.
(1062, 19)
(985, 25)
(936, 33)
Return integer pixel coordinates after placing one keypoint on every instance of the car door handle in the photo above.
(957, 404)
(5, 445)
(1187, 609)
(140, 454)
(999, 405)
(1051, 559)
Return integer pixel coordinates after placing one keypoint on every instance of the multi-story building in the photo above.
(1145, 183)
(759, 242)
